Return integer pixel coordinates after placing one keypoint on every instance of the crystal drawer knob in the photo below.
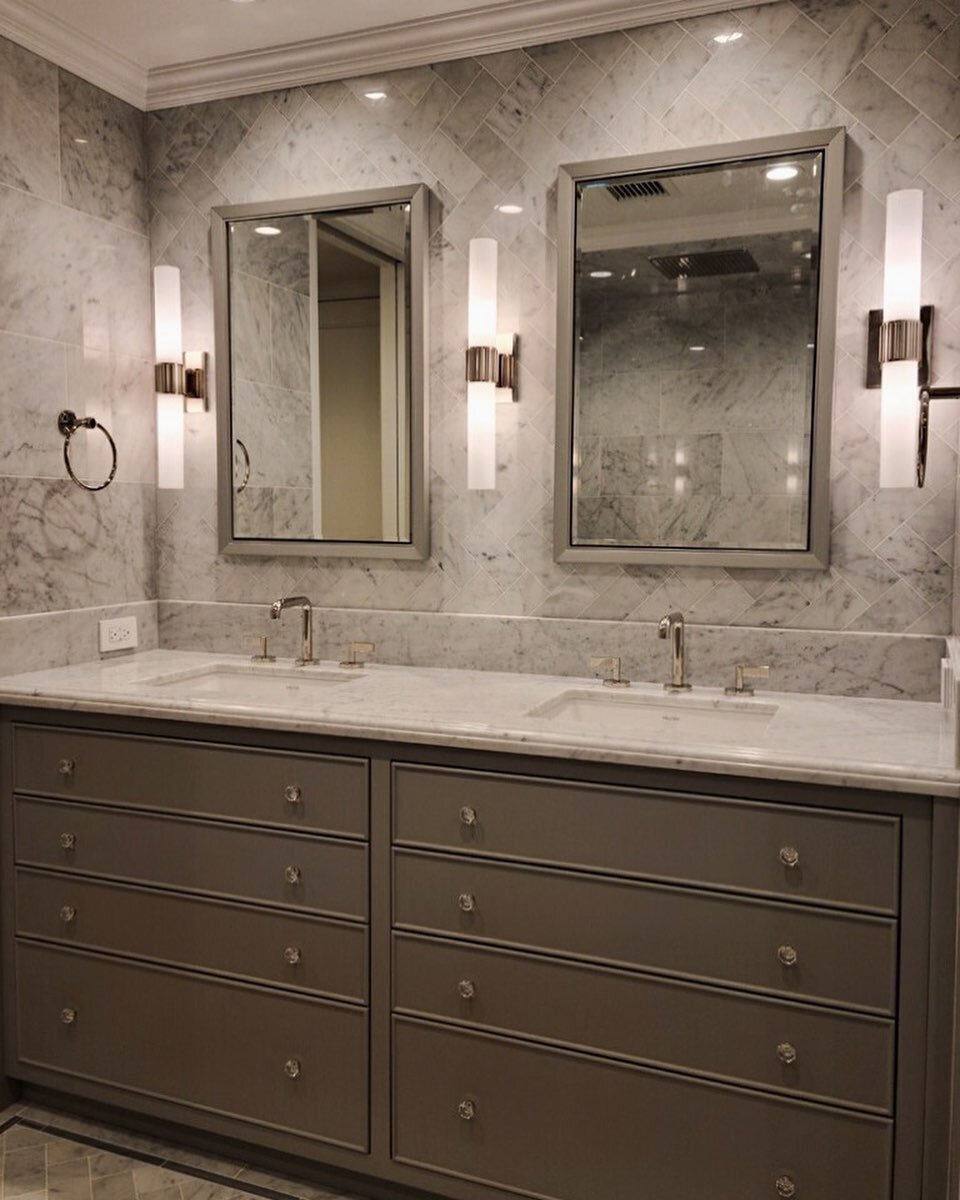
(787, 1053)
(291, 1068)
(292, 794)
(468, 816)
(790, 856)
(292, 955)
(292, 874)
(68, 1016)
(466, 902)
(67, 914)
(787, 956)
(466, 989)
(68, 841)
(467, 1110)
(66, 766)
(786, 1187)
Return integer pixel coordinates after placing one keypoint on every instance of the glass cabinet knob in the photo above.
(66, 766)
(292, 794)
(292, 874)
(466, 989)
(466, 902)
(468, 815)
(291, 1068)
(785, 1187)
(68, 841)
(68, 1016)
(790, 856)
(67, 914)
(292, 955)
(787, 956)
(787, 1053)
(467, 1110)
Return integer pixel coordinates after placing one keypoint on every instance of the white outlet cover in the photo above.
(118, 633)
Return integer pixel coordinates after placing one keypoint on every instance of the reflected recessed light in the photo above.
(375, 95)
(601, 274)
(783, 171)
(696, 349)
(809, 345)
(509, 210)
(81, 141)
(723, 38)
(267, 230)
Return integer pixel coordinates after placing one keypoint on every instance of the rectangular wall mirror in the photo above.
(321, 386)
(696, 325)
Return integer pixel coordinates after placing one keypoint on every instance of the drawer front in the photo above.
(536, 1111)
(164, 1034)
(843, 1058)
(841, 858)
(220, 860)
(328, 794)
(283, 948)
(843, 958)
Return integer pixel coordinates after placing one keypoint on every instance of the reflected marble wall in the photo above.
(75, 332)
(493, 129)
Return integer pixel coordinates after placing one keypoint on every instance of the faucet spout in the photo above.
(306, 658)
(671, 626)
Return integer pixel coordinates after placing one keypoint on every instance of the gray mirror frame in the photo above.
(831, 142)
(419, 197)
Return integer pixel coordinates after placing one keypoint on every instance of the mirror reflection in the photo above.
(697, 308)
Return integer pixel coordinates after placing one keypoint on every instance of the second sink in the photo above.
(246, 685)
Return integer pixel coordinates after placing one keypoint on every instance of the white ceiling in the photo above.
(156, 53)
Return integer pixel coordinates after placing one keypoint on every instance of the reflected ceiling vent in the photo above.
(637, 189)
(700, 263)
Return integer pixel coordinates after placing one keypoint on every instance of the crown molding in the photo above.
(74, 50)
(505, 26)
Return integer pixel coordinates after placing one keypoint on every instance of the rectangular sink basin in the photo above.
(660, 718)
(254, 684)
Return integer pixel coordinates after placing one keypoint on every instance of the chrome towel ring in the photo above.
(68, 423)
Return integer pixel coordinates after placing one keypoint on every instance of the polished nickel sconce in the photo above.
(491, 366)
(180, 378)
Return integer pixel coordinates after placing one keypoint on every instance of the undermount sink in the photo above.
(254, 683)
(615, 713)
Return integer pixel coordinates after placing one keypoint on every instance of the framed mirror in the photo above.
(696, 326)
(320, 308)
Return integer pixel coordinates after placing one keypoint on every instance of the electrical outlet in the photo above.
(118, 634)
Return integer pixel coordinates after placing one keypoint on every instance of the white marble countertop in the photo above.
(894, 745)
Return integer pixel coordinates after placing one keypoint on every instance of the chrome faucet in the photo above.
(671, 626)
(306, 658)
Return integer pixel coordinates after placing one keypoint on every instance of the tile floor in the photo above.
(46, 1155)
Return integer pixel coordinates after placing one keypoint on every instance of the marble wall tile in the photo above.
(29, 123)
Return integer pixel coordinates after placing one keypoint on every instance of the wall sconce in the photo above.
(181, 379)
(491, 366)
(898, 349)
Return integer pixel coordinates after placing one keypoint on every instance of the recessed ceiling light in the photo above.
(601, 274)
(724, 38)
(81, 141)
(782, 172)
(696, 349)
(509, 210)
(267, 230)
(375, 95)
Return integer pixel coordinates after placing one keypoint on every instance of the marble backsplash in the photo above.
(34, 641)
(883, 666)
(490, 130)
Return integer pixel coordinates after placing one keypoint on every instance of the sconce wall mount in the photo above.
(187, 379)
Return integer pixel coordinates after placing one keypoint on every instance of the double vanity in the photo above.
(478, 934)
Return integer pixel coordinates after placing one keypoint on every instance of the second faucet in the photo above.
(671, 626)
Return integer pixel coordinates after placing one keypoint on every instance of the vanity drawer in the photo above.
(841, 958)
(199, 856)
(263, 945)
(843, 1058)
(842, 858)
(300, 791)
(289, 1062)
(555, 1124)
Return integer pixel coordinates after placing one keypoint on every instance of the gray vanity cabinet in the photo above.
(480, 975)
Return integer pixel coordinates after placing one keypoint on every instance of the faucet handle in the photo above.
(353, 650)
(259, 639)
(741, 673)
(611, 664)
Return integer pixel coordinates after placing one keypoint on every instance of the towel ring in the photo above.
(68, 423)
(246, 466)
